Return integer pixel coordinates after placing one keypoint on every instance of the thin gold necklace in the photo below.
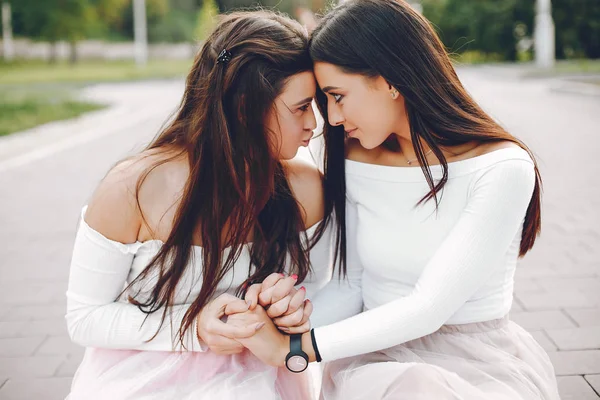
(409, 162)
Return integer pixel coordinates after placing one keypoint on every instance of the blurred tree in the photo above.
(177, 26)
(111, 11)
(207, 19)
(55, 20)
(497, 27)
(577, 28)
(487, 26)
(167, 20)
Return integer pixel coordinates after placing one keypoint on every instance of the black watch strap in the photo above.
(314, 343)
(296, 344)
(296, 360)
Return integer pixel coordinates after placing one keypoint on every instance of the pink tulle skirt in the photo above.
(151, 375)
(493, 360)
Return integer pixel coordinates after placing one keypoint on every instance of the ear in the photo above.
(394, 93)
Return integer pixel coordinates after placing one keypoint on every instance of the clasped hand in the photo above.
(228, 324)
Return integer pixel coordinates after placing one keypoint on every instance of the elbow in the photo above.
(74, 328)
(78, 326)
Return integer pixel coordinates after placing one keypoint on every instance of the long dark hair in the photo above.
(388, 38)
(237, 188)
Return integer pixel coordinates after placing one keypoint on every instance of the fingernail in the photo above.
(282, 275)
(249, 303)
(259, 325)
(295, 277)
(284, 329)
(302, 288)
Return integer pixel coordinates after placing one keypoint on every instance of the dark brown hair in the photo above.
(237, 188)
(390, 39)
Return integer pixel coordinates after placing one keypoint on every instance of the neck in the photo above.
(408, 151)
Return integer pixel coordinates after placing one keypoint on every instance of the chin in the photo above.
(368, 145)
(285, 156)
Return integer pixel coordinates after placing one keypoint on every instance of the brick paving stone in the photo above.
(585, 316)
(69, 366)
(568, 284)
(552, 301)
(34, 366)
(516, 306)
(575, 388)
(594, 381)
(36, 389)
(52, 327)
(579, 362)
(527, 286)
(10, 329)
(36, 312)
(29, 294)
(537, 320)
(19, 347)
(576, 338)
(58, 345)
(543, 340)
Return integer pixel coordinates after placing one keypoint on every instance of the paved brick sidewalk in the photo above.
(558, 284)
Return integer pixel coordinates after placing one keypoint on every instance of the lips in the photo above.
(351, 131)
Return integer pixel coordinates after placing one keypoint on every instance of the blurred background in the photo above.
(84, 83)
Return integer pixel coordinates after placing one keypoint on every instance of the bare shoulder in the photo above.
(113, 209)
(493, 146)
(306, 182)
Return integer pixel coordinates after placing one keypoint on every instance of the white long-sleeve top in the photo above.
(418, 269)
(101, 268)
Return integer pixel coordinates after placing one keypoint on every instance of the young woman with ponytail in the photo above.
(174, 236)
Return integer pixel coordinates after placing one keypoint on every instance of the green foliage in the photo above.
(206, 20)
(54, 20)
(37, 72)
(21, 110)
(497, 27)
(177, 26)
(486, 26)
(577, 28)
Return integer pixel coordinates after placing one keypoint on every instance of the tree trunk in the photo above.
(7, 40)
(53, 52)
(73, 52)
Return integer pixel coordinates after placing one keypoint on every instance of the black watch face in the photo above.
(296, 364)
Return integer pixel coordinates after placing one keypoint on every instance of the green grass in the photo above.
(568, 67)
(577, 66)
(21, 110)
(34, 92)
(28, 72)
(475, 57)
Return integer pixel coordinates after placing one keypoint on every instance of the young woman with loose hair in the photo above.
(434, 203)
(174, 235)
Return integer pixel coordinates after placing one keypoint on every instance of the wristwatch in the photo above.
(296, 360)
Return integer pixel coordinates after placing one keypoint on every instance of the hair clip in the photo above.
(224, 56)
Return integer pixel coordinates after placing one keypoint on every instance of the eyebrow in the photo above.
(329, 88)
(306, 100)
